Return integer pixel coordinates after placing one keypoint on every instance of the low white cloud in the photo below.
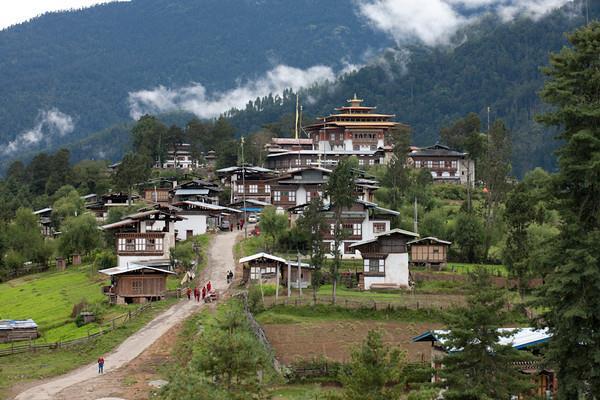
(435, 21)
(195, 99)
(49, 125)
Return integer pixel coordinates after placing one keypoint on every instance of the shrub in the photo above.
(104, 259)
(255, 299)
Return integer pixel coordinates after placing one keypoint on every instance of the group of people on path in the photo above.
(229, 276)
(199, 294)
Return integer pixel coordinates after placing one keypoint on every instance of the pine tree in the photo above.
(312, 224)
(374, 371)
(482, 369)
(340, 189)
(572, 290)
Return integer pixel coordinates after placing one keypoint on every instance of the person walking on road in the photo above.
(189, 293)
(101, 365)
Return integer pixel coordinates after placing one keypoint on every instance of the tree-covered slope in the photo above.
(84, 63)
(498, 66)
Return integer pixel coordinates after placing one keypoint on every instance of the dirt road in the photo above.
(220, 260)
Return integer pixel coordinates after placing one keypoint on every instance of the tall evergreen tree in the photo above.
(481, 368)
(134, 169)
(572, 291)
(374, 371)
(396, 178)
(313, 225)
(340, 190)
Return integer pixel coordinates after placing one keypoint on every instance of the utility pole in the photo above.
(416, 217)
(289, 279)
(244, 190)
(299, 278)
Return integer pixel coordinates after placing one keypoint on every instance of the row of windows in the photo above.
(252, 188)
(372, 161)
(140, 244)
(356, 229)
(258, 272)
(291, 196)
(436, 164)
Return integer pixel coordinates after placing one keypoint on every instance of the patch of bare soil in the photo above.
(335, 340)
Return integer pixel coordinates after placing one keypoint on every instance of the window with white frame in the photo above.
(371, 162)
(267, 188)
(361, 162)
(331, 229)
(418, 164)
(253, 188)
(291, 196)
(297, 161)
(429, 163)
(374, 265)
(277, 196)
(356, 229)
(454, 163)
(240, 188)
(308, 194)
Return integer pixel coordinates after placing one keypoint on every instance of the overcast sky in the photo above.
(15, 11)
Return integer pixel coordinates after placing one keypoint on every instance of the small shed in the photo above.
(429, 251)
(266, 267)
(13, 330)
(136, 283)
(262, 266)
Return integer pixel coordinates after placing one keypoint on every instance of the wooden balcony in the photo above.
(140, 244)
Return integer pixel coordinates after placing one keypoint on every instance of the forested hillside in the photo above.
(85, 63)
(498, 66)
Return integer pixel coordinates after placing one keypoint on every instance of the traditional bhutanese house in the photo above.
(446, 165)
(45, 221)
(529, 339)
(13, 330)
(105, 202)
(272, 269)
(261, 266)
(196, 190)
(247, 182)
(136, 283)
(363, 221)
(144, 236)
(158, 190)
(179, 157)
(283, 161)
(199, 217)
(90, 198)
(299, 187)
(385, 260)
(429, 251)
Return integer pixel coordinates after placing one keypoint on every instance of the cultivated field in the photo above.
(335, 339)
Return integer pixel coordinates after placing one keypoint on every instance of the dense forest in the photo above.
(84, 63)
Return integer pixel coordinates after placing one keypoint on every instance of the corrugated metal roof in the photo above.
(131, 267)
(429, 238)
(258, 256)
(519, 338)
(188, 192)
(10, 324)
(119, 224)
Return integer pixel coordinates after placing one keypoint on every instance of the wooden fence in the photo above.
(102, 330)
(259, 332)
(409, 300)
(6, 275)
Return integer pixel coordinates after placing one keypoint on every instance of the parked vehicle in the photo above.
(252, 218)
(225, 225)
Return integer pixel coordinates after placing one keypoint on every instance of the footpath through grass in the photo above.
(25, 367)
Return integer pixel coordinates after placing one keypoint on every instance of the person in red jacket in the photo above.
(208, 287)
(101, 365)
(196, 294)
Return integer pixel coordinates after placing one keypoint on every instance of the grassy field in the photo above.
(25, 367)
(48, 299)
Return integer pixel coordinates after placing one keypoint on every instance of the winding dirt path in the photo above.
(82, 383)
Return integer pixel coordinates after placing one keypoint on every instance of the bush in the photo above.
(255, 300)
(449, 191)
(104, 259)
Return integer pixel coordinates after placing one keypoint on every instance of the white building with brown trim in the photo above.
(446, 165)
(385, 260)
